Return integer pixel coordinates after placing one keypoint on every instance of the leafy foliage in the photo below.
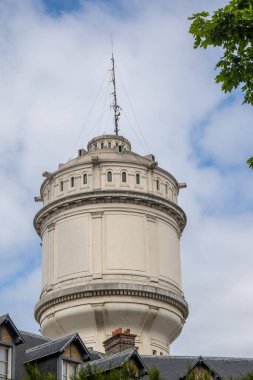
(198, 373)
(250, 162)
(230, 28)
(33, 373)
(88, 372)
(128, 371)
(248, 376)
(154, 374)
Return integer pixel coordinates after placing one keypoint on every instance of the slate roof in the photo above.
(95, 355)
(34, 338)
(175, 367)
(228, 367)
(116, 360)
(30, 340)
(52, 347)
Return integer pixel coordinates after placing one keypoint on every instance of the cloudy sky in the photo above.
(54, 61)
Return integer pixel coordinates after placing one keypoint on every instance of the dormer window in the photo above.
(72, 182)
(109, 176)
(123, 177)
(9, 338)
(85, 179)
(137, 179)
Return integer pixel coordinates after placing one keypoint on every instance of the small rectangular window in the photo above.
(3, 363)
(109, 176)
(124, 177)
(68, 370)
(85, 179)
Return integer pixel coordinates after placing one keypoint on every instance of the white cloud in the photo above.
(231, 125)
(50, 70)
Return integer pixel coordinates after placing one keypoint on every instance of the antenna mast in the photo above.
(115, 105)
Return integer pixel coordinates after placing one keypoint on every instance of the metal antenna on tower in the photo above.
(115, 105)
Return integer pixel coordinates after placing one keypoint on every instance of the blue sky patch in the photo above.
(59, 7)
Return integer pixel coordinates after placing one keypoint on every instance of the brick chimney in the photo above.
(119, 341)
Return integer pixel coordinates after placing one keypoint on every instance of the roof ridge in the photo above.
(226, 358)
(197, 356)
(171, 357)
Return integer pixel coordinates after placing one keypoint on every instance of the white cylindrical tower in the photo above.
(110, 229)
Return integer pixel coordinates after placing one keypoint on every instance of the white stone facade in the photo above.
(110, 229)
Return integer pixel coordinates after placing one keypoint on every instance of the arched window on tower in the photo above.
(137, 179)
(123, 177)
(72, 181)
(166, 189)
(109, 176)
(85, 179)
(61, 186)
(157, 184)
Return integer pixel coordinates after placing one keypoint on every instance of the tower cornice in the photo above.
(111, 289)
(111, 196)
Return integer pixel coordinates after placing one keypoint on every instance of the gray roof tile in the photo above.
(52, 347)
(35, 336)
(174, 367)
(117, 360)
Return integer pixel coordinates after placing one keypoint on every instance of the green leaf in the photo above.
(250, 162)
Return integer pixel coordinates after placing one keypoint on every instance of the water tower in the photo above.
(110, 228)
